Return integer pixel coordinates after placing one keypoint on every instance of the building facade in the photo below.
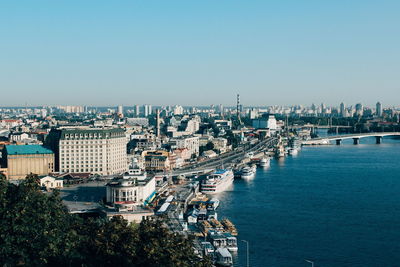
(21, 160)
(90, 150)
(192, 143)
(156, 161)
(131, 192)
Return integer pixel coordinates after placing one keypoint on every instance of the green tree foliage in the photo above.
(208, 146)
(37, 230)
(233, 140)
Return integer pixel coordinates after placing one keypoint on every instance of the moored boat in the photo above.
(264, 162)
(293, 151)
(248, 172)
(217, 182)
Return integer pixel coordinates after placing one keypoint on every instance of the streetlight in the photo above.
(247, 243)
(312, 263)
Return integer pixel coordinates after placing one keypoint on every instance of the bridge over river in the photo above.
(356, 138)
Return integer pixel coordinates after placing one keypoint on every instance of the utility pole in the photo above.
(158, 123)
(238, 108)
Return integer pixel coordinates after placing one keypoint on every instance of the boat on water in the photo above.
(264, 162)
(229, 226)
(217, 182)
(293, 151)
(279, 151)
(248, 172)
(213, 204)
(224, 257)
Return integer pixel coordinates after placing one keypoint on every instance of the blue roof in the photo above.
(27, 149)
(220, 171)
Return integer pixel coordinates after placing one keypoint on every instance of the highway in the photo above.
(229, 158)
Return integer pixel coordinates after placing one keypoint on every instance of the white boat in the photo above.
(293, 151)
(207, 247)
(264, 162)
(217, 182)
(224, 257)
(213, 203)
(279, 151)
(231, 243)
(248, 172)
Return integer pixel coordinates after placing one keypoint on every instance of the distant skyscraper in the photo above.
(121, 110)
(221, 109)
(343, 110)
(323, 108)
(137, 110)
(147, 110)
(359, 109)
(378, 109)
(313, 107)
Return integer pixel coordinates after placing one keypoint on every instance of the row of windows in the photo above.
(76, 153)
(91, 136)
(82, 147)
(82, 142)
(83, 170)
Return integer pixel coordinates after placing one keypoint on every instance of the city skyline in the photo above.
(199, 53)
(215, 105)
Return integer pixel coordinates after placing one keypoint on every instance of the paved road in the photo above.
(230, 158)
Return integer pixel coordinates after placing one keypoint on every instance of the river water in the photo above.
(333, 205)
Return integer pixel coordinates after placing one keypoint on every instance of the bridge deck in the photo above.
(325, 140)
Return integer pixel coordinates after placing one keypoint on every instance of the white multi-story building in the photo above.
(192, 143)
(90, 150)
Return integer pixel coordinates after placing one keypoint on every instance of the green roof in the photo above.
(27, 150)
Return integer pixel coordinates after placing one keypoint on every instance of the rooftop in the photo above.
(27, 149)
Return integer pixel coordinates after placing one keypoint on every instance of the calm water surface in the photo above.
(334, 205)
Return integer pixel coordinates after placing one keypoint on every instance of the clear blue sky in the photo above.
(199, 52)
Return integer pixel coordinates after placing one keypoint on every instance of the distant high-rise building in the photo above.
(323, 108)
(359, 109)
(343, 112)
(221, 109)
(313, 107)
(378, 109)
(137, 110)
(147, 110)
(121, 110)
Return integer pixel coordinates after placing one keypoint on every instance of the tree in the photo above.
(31, 229)
(37, 230)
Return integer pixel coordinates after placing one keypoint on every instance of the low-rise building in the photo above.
(156, 161)
(125, 193)
(190, 142)
(220, 144)
(50, 182)
(208, 154)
